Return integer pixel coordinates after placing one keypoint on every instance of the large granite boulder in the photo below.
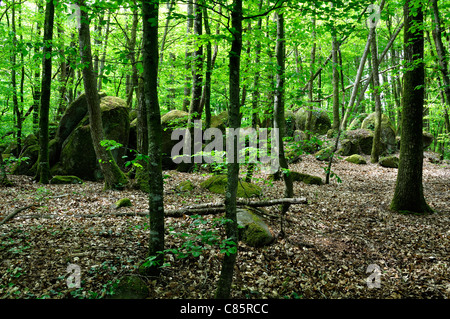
(77, 155)
(320, 121)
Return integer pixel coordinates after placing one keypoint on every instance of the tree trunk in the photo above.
(351, 103)
(376, 93)
(226, 274)
(336, 106)
(408, 195)
(188, 54)
(43, 172)
(207, 91)
(311, 84)
(197, 79)
(255, 93)
(150, 10)
(279, 120)
(16, 108)
(114, 177)
(442, 56)
(132, 56)
(103, 58)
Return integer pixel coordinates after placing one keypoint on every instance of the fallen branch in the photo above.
(202, 209)
(14, 213)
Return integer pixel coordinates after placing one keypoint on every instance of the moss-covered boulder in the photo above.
(74, 113)
(253, 230)
(27, 160)
(77, 152)
(356, 159)
(123, 202)
(184, 186)
(389, 161)
(356, 142)
(306, 178)
(61, 179)
(320, 121)
(175, 119)
(129, 287)
(388, 142)
(355, 124)
(324, 154)
(289, 118)
(220, 121)
(218, 183)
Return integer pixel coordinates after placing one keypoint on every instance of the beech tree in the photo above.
(43, 174)
(114, 177)
(150, 10)
(408, 194)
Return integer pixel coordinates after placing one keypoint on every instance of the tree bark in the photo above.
(188, 54)
(376, 83)
(336, 104)
(43, 174)
(150, 10)
(206, 94)
(442, 57)
(226, 275)
(114, 177)
(408, 195)
(311, 84)
(279, 120)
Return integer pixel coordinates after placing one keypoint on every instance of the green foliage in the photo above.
(198, 235)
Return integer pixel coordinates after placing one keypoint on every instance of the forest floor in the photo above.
(330, 242)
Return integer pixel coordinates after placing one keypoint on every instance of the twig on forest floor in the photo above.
(15, 212)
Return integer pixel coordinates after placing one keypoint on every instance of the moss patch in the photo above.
(185, 186)
(356, 159)
(389, 161)
(306, 178)
(217, 184)
(61, 179)
(123, 202)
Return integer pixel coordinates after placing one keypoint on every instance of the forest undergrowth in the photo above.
(329, 244)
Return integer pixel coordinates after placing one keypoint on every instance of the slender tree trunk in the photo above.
(43, 162)
(408, 194)
(207, 91)
(132, 56)
(279, 120)
(226, 275)
(114, 177)
(103, 58)
(197, 79)
(150, 10)
(336, 104)
(37, 77)
(376, 83)
(311, 84)
(16, 108)
(255, 93)
(351, 103)
(442, 57)
(188, 54)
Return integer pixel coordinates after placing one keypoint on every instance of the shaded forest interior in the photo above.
(120, 175)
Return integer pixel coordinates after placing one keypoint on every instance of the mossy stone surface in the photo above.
(253, 230)
(320, 121)
(185, 186)
(61, 179)
(123, 202)
(356, 159)
(389, 161)
(306, 178)
(218, 183)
